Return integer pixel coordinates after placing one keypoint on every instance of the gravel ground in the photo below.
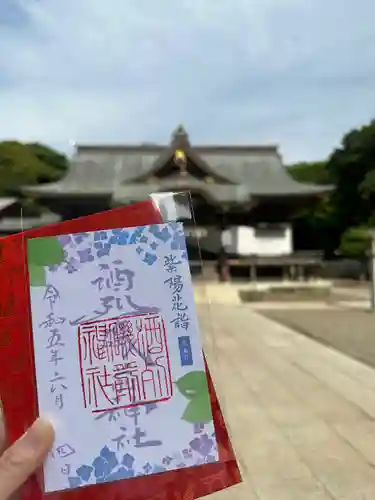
(349, 331)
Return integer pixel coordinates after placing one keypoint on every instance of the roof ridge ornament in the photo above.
(180, 161)
(180, 138)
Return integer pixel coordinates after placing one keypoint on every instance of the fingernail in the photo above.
(40, 432)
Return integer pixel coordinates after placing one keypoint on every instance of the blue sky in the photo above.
(298, 73)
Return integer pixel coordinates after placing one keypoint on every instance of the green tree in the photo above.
(57, 161)
(352, 168)
(312, 224)
(355, 242)
(337, 221)
(27, 164)
(313, 173)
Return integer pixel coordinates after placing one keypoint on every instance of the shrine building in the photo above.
(243, 197)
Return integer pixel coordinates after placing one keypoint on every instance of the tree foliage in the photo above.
(352, 168)
(27, 164)
(355, 242)
(57, 161)
(312, 173)
(313, 223)
(340, 221)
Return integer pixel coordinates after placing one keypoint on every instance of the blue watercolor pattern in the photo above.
(152, 242)
(111, 466)
(86, 247)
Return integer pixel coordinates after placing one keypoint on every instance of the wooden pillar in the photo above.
(223, 267)
(253, 272)
(292, 270)
(224, 273)
(286, 273)
(300, 273)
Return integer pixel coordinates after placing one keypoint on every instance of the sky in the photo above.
(298, 73)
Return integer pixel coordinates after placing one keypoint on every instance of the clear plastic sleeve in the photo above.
(178, 206)
(106, 472)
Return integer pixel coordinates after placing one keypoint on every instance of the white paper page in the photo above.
(118, 355)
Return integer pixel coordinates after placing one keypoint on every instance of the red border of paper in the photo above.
(17, 374)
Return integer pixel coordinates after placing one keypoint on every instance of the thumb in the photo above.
(22, 459)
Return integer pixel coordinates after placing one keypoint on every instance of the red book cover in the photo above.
(17, 374)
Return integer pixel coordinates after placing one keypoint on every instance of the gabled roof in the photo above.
(191, 156)
(107, 169)
(215, 193)
(7, 202)
(16, 224)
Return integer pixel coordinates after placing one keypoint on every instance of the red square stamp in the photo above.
(124, 362)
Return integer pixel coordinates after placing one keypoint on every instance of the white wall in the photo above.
(244, 240)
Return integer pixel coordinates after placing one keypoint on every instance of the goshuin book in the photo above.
(118, 361)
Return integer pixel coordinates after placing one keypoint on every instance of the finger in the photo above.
(20, 460)
(2, 430)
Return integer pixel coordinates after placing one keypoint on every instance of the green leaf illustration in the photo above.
(37, 275)
(198, 410)
(192, 384)
(44, 251)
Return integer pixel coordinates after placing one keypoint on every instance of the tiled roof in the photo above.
(216, 193)
(6, 202)
(15, 224)
(262, 171)
(246, 171)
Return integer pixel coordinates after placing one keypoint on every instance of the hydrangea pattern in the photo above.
(85, 247)
(111, 466)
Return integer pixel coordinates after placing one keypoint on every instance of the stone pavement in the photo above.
(358, 293)
(229, 294)
(301, 416)
(350, 331)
